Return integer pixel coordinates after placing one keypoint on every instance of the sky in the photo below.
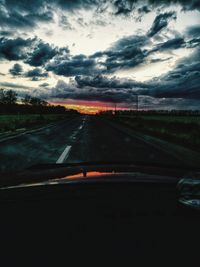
(92, 55)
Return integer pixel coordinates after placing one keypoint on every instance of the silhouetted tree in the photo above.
(37, 102)
(26, 100)
(34, 101)
(30, 105)
(2, 96)
(8, 97)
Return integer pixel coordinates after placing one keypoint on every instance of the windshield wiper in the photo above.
(47, 166)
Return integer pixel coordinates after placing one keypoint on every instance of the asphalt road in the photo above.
(81, 139)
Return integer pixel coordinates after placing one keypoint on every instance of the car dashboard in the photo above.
(118, 218)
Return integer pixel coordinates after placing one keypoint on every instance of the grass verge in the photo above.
(183, 130)
(11, 123)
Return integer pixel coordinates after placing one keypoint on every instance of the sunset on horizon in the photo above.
(85, 109)
(104, 51)
(91, 107)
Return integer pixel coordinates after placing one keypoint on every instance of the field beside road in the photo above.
(182, 130)
(11, 123)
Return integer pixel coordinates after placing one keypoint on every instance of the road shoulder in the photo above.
(181, 153)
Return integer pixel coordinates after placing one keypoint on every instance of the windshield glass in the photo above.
(99, 81)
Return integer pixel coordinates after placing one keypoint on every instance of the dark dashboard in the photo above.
(97, 217)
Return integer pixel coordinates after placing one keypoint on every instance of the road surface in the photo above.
(81, 139)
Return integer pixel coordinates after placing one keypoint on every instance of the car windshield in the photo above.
(99, 81)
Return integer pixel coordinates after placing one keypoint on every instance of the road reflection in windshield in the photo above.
(87, 175)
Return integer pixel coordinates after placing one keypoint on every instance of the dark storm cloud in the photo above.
(100, 81)
(16, 70)
(144, 10)
(70, 91)
(161, 22)
(6, 33)
(129, 52)
(176, 89)
(76, 4)
(182, 82)
(41, 54)
(155, 60)
(14, 85)
(170, 45)
(193, 43)
(124, 7)
(149, 97)
(124, 59)
(27, 14)
(32, 51)
(126, 53)
(193, 31)
(191, 40)
(186, 4)
(193, 35)
(14, 49)
(44, 84)
(23, 14)
(133, 40)
(76, 65)
(36, 74)
(175, 43)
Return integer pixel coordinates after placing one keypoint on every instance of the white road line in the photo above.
(64, 155)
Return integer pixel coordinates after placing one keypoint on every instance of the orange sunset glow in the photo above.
(87, 174)
(85, 107)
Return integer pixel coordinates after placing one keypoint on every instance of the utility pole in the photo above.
(137, 102)
(115, 108)
(114, 112)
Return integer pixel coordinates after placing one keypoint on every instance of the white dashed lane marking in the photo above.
(66, 152)
(64, 155)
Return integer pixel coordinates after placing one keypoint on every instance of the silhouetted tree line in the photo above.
(173, 112)
(9, 104)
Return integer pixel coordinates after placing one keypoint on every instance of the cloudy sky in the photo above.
(91, 54)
